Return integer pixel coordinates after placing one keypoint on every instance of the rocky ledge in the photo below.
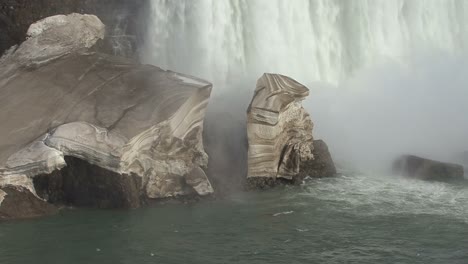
(280, 140)
(79, 122)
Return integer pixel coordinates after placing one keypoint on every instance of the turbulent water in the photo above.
(350, 219)
(311, 40)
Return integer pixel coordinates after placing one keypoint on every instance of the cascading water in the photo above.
(323, 42)
(395, 67)
(311, 40)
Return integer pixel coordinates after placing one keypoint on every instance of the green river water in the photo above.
(349, 219)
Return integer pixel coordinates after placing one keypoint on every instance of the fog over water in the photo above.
(386, 77)
(392, 108)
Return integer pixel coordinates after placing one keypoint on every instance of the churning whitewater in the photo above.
(312, 40)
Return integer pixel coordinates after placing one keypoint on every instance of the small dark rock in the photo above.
(322, 165)
(426, 169)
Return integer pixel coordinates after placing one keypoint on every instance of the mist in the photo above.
(384, 79)
(391, 108)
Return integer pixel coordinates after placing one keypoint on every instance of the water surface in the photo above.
(350, 219)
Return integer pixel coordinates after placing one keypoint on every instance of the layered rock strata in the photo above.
(62, 103)
(279, 129)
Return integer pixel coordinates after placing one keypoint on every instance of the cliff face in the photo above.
(123, 20)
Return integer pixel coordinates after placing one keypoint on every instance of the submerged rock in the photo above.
(280, 137)
(64, 107)
(426, 169)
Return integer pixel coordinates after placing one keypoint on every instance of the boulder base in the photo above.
(322, 166)
(86, 185)
(19, 203)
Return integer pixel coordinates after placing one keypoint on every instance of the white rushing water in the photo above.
(386, 76)
(311, 40)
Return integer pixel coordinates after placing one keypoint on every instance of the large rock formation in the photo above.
(279, 130)
(124, 20)
(67, 111)
(426, 169)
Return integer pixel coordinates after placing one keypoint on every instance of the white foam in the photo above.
(2, 196)
(283, 213)
(388, 195)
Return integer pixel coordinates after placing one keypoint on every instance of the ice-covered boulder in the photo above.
(61, 101)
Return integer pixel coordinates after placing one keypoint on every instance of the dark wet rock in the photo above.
(18, 202)
(426, 169)
(85, 185)
(322, 165)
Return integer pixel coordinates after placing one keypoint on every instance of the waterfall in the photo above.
(394, 70)
(310, 40)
